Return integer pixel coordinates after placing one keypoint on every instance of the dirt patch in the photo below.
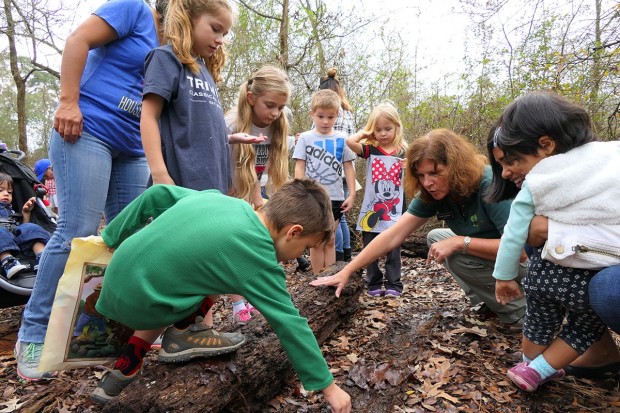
(424, 352)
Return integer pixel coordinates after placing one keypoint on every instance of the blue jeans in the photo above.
(22, 238)
(91, 178)
(343, 235)
(604, 292)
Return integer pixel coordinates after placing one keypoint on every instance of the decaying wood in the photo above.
(415, 246)
(245, 380)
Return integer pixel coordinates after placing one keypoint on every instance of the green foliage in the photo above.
(42, 93)
(514, 46)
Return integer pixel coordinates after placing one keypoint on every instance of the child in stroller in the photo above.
(14, 290)
(14, 237)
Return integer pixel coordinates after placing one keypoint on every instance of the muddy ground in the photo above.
(424, 352)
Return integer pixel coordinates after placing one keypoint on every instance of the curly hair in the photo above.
(464, 165)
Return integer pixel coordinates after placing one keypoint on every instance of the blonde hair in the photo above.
(387, 111)
(331, 82)
(266, 79)
(325, 99)
(464, 165)
(178, 31)
(303, 202)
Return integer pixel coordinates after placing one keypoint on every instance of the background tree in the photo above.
(28, 25)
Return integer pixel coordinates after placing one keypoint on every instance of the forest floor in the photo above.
(426, 351)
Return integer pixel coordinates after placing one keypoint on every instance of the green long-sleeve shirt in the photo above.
(201, 243)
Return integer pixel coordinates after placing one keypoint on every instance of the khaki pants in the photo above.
(475, 276)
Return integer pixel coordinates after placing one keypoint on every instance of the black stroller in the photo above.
(25, 185)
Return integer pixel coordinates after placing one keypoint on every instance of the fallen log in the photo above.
(415, 246)
(245, 380)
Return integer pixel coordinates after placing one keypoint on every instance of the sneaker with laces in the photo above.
(528, 379)
(157, 343)
(375, 293)
(242, 317)
(111, 385)
(28, 356)
(197, 340)
(12, 266)
(392, 293)
(303, 264)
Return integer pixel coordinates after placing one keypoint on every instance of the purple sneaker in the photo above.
(528, 379)
(392, 293)
(375, 293)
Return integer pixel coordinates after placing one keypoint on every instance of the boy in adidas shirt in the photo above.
(322, 154)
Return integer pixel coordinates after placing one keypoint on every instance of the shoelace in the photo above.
(32, 353)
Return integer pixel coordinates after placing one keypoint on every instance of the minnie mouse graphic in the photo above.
(386, 197)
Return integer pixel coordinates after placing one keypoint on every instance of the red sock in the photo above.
(131, 359)
(191, 319)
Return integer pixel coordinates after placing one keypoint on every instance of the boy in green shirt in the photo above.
(201, 244)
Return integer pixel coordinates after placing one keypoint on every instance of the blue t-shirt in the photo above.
(324, 156)
(194, 136)
(111, 85)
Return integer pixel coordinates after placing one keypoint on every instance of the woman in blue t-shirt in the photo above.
(95, 147)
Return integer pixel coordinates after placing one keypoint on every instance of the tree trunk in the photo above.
(284, 36)
(245, 380)
(20, 82)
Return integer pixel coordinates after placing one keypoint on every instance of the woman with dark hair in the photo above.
(541, 139)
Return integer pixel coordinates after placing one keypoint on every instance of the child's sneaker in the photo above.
(392, 293)
(36, 262)
(157, 343)
(111, 385)
(12, 266)
(242, 317)
(303, 264)
(528, 379)
(375, 293)
(28, 356)
(197, 340)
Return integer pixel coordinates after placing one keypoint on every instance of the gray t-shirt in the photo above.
(324, 156)
(193, 131)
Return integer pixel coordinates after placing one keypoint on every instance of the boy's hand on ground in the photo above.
(507, 291)
(338, 399)
(339, 279)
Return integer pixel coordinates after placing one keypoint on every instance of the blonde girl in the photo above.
(259, 112)
(182, 122)
(189, 149)
(381, 142)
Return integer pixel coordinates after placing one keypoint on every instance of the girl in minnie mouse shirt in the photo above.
(381, 142)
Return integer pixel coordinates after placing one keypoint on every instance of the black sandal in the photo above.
(606, 371)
